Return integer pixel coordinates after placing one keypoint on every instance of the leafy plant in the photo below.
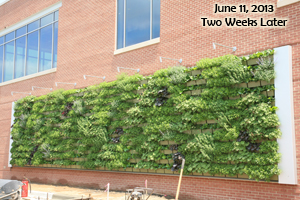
(219, 124)
(265, 70)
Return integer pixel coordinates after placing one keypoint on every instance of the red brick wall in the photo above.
(191, 188)
(86, 41)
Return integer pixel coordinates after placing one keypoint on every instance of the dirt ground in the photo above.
(66, 192)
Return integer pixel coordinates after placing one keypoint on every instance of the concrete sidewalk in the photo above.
(38, 195)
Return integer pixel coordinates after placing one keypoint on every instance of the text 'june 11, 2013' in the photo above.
(246, 22)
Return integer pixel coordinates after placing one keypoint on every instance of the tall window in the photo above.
(138, 21)
(29, 49)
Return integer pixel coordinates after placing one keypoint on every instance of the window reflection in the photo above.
(156, 19)
(1, 62)
(32, 53)
(8, 61)
(55, 45)
(9, 36)
(34, 25)
(120, 24)
(137, 19)
(20, 57)
(56, 16)
(29, 49)
(45, 48)
(21, 31)
(46, 20)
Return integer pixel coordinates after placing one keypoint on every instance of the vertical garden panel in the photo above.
(136, 123)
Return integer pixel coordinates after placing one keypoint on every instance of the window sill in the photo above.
(28, 77)
(137, 46)
(282, 3)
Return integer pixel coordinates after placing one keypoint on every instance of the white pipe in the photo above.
(12, 93)
(108, 191)
(84, 76)
(233, 48)
(146, 185)
(65, 83)
(179, 60)
(40, 88)
(118, 68)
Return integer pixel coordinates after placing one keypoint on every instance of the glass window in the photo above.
(156, 19)
(9, 36)
(120, 25)
(21, 31)
(45, 48)
(141, 19)
(56, 16)
(47, 20)
(29, 49)
(34, 25)
(20, 57)
(32, 53)
(55, 45)
(8, 61)
(137, 22)
(1, 62)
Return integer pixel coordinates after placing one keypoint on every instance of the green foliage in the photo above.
(214, 62)
(111, 123)
(259, 54)
(93, 135)
(78, 107)
(261, 172)
(177, 75)
(204, 143)
(265, 70)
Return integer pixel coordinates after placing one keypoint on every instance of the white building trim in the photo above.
(10, 140)
(282, 3)
(3, 2)
(285, 103)
(137, 46)
(49, 71)
(30, 19)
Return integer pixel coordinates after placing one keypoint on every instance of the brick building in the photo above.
(60, 41)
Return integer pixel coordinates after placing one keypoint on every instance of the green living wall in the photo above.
(220, 114)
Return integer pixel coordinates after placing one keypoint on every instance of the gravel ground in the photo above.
(66, 192)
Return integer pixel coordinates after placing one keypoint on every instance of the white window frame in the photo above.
(23, 78)
(135, 46)
(282, 3)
